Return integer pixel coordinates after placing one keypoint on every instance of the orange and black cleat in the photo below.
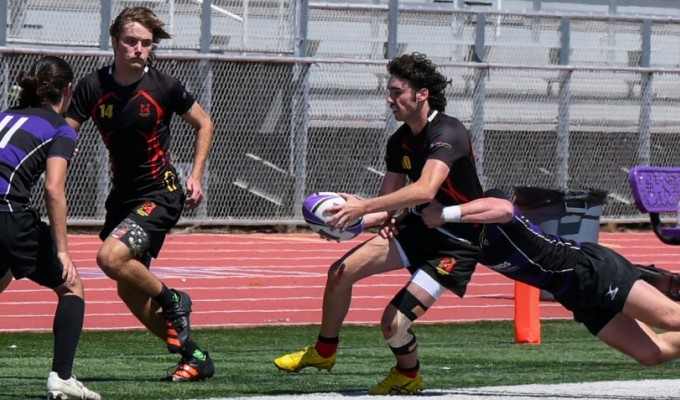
(177, 323)
(192, 370)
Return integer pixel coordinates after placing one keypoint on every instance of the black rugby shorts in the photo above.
(447, 260)
(602, 282)
(28, 249)
(155, 213)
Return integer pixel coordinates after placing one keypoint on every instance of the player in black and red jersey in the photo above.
(35, 138)
(433, 151)
(132, 103)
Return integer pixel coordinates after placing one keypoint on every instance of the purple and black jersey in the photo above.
(134, 123)
(28, 137)
(591, 280)
(521, 251)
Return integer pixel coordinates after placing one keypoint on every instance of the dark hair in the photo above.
(142, 16)
(44, 82)
(422, 74)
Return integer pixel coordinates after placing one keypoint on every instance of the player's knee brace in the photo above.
(409, 308)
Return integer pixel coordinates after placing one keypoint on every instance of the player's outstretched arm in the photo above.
(57, 210)
(482, 211)
(201, 122)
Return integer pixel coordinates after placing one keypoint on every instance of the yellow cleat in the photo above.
(398, 384)
(307, 357)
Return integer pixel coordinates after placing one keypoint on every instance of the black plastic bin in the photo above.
(572, 214)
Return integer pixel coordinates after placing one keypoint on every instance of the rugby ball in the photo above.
(315, 214)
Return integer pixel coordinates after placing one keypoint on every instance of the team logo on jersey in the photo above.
(446, 265)
(612, 292)
(504, 266)
(439, 145)
(144, 110)
(146, 209)
(406, 162)
(170, 181)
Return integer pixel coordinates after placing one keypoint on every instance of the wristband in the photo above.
(451, 214)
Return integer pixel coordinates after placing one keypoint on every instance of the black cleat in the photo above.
(192, 370)
(177, 324)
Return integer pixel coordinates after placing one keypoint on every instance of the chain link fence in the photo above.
(286, 126)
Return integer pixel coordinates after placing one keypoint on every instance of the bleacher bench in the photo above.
(656, 190)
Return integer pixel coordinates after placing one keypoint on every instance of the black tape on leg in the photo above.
(408, 304)
(409, 348)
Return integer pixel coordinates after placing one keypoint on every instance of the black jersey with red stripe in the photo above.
(444, 138)
(28, 137)
(134, 123)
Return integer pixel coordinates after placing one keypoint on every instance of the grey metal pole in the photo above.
(392, 27)
(646, 96)
(244, 25)
(564, 109)
(376, 28)
(536, 23)
(477, 124)
(4, 6)
(18, 17)
(390, 52)
(103, 168)
(479, 99)
(613, 6)
(205, 26)
(106, 12)
(207, 84)
(480, 39)
(299, 110)
(4, 83)
(303, 28)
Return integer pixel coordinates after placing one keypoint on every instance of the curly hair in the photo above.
(422, 74)
(44, 82)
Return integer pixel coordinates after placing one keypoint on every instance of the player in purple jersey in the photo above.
(604, 291)
(35, 139)
(433, 151)
(132, 104)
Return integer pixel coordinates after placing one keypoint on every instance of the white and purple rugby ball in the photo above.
(315, 214)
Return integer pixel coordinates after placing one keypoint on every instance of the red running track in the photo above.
(278, 279)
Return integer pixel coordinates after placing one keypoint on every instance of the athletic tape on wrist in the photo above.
(451, 214)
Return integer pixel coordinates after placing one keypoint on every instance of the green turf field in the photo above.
(127, 365)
